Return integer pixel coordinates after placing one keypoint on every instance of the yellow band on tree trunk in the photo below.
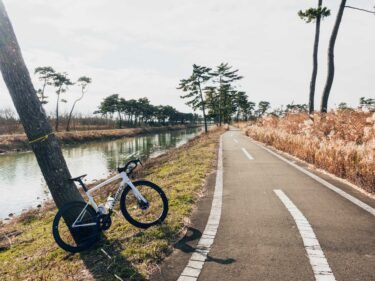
(41, 139)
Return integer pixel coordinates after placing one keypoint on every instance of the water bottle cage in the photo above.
(110, 202)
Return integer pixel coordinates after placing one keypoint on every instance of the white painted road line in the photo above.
(197, 259)
(318, 261)
(235, 140)
(247, 154)
(351, 198)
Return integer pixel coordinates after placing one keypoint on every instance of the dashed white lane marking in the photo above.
(351, 198)
(318, 261)
(247, 154)
(197, 259)
(235, 140)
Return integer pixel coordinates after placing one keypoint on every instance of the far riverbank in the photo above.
(19, 142)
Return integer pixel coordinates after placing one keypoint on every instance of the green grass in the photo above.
(33, 254)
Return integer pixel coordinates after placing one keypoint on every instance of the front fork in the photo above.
(141, 200)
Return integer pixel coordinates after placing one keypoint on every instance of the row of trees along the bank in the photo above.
(132, 113)
(61, 82)
(316, 15)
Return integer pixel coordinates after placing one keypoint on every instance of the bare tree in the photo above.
(82, 82)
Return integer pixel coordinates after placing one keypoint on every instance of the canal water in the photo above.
(22, 185)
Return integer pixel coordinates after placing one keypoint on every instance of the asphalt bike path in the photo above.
(278, 223)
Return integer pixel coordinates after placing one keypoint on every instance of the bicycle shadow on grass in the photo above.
(194, 234)
(106, 262)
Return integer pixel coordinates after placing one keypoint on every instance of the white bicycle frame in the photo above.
(125, 182)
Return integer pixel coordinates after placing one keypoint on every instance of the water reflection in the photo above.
(22, 185)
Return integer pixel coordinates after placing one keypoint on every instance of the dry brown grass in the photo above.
(342, 143)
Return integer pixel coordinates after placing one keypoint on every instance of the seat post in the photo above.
(82, 184)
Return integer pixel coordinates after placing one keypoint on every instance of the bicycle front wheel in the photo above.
(144, 215)
(80, 236)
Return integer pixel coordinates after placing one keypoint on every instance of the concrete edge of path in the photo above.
(199, 256)
(171, 267)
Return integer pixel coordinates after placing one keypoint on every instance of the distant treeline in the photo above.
(162, 115)
(134, 113)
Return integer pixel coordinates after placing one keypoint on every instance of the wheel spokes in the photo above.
(138, 212)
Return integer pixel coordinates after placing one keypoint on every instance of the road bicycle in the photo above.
(78, 225)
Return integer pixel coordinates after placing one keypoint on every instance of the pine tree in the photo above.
(224, 77)
(61, 83)
(193, 87)
(45, 75)
(311, 15)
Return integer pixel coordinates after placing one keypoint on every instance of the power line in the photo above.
(359, 9)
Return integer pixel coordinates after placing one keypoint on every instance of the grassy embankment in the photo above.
(342, 143)
(28, 251)
(19, 142)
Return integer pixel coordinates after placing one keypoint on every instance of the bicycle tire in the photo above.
(128, 198)
(64, 235)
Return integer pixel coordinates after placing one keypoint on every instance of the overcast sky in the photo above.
(143, 48)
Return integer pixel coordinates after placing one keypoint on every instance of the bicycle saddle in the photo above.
(78, 178)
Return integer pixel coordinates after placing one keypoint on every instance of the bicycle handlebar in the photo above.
(128, 170)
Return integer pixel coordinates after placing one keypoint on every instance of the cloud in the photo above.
(142, 48)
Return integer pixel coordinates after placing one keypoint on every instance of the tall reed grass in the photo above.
(342, 142)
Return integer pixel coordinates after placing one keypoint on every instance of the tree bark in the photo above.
(33, 117)
(315, 60)
(120, 120)
(203, 109)
(42, 93)
(57, 110)
(331, 63)
(220, 102)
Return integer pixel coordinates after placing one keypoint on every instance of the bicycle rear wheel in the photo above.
(81, 236)
(139, 214)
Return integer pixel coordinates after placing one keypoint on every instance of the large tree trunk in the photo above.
(33, 117)
(315, 60)
(331, 63)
